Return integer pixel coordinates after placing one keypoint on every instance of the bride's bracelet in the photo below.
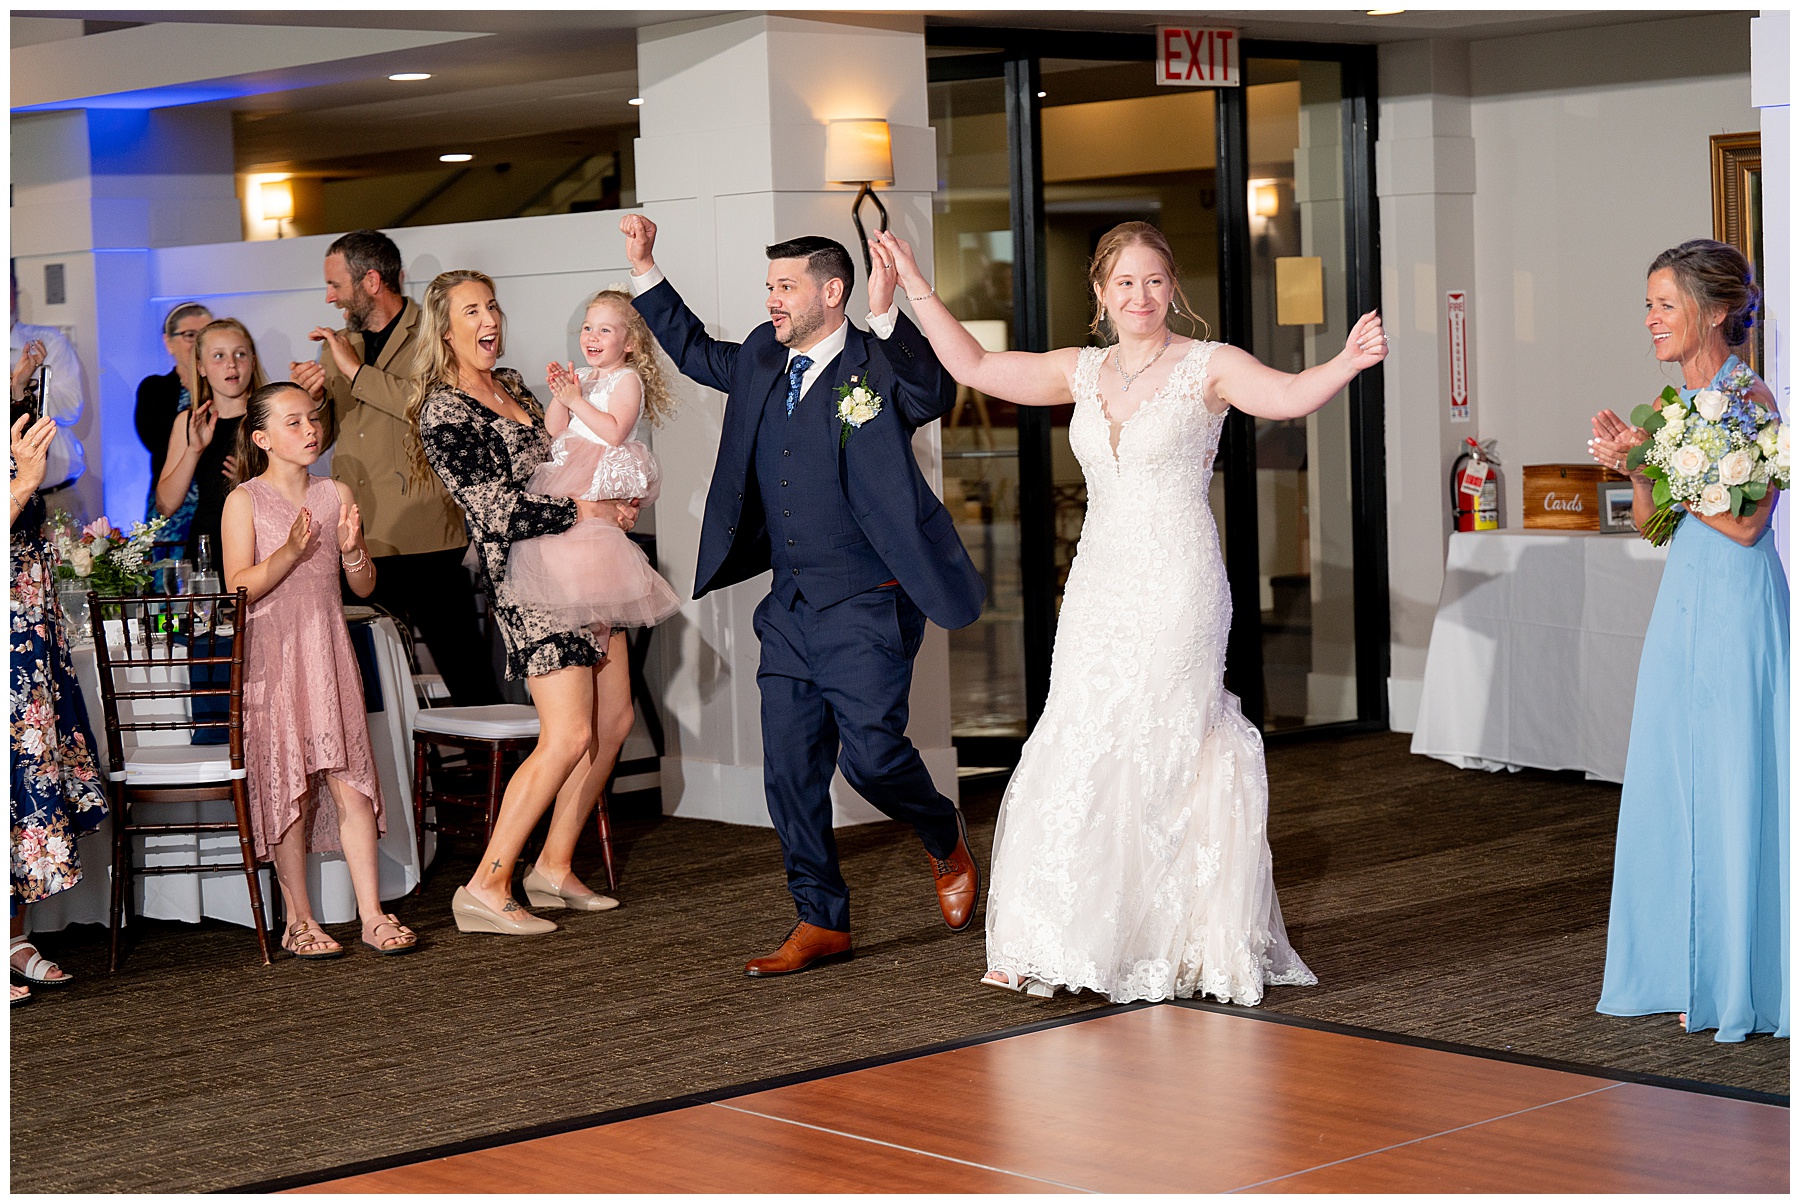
(927, 295)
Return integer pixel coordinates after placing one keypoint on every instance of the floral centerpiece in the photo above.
(1719, 453)
(101, 557)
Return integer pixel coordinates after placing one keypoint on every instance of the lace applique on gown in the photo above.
(1131, 856)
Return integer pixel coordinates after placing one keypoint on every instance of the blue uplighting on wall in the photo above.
(166, 97)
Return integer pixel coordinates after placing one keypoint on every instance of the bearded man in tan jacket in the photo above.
(367, 374)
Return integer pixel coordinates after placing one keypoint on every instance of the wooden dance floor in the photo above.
(1167, 1098)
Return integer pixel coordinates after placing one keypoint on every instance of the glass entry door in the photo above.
(1299, 318)
(1264, 193)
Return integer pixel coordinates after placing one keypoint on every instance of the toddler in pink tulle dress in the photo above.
(593, 575)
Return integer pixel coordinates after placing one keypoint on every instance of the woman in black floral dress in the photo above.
(481, 430)
(57, 792)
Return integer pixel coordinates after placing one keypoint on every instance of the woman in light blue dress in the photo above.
(1700, 879)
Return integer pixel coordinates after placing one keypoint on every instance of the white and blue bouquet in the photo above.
(1719, 453)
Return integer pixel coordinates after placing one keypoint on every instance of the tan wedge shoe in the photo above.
(540, 893)
(472, 915)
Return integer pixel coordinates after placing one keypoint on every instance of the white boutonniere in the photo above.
(857, 404)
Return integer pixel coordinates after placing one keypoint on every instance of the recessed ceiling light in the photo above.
(409, 76)
(1386, 12)
(1041, 95)
(635, 100)
(459, 157)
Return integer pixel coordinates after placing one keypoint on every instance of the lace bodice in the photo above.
(598, 388)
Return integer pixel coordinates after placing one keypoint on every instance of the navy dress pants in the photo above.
(835, 686)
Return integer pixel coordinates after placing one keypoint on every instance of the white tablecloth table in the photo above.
(1534, 651)
(223, 894)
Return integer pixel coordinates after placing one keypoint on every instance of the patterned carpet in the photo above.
(1455, 906)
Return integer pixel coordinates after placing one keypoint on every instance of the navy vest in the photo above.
(815, 545)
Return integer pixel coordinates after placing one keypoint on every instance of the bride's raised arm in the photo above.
(1236, 378)
(1024, 378)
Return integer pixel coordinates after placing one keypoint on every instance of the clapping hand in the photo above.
(30, 360)
(228, 469)
(300, 533)
(1367, 344)
(30, 446)
(640, 242)
(565, 388)
(1613, 441)
(349, 529)
(342, 353)
(309, 375)
(203, 420)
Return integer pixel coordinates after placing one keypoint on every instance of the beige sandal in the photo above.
(404, 940)
(307, 942)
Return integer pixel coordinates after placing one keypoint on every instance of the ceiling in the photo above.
(538, 76)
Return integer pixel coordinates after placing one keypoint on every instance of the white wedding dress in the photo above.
(1132, 855)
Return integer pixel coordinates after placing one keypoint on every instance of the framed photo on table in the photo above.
(1615, 508)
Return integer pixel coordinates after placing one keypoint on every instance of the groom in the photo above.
(862, 552)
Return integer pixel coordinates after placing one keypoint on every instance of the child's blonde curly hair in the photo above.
(640, 353)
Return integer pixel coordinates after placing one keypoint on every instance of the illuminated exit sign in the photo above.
(1196, 58)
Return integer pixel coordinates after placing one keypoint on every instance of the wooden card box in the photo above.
(1565, 497)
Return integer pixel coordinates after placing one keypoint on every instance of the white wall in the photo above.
(1591, 156)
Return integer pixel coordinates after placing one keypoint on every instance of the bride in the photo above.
(1132, 855)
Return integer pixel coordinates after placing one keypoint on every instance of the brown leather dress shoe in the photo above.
(958, 882)
(807, 945)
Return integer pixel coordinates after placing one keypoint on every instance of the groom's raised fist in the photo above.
(640, 241)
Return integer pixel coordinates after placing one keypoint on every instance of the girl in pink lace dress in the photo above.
(593, 575)
(312, 778)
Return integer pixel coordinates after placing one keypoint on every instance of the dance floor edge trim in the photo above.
(1697, 1086)
(654, 1107)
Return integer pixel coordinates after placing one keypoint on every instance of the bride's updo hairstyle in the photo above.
(1107, 252)
(1715, 276)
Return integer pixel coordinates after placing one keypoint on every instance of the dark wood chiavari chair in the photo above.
(160, 661)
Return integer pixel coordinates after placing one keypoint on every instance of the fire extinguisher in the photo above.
(1475, 488)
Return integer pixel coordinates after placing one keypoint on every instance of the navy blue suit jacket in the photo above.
(888, 495)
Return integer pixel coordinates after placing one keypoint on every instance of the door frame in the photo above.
(1014, 55)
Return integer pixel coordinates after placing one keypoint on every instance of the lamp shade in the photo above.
(859, 152)
(277, 201)
(1265, 200)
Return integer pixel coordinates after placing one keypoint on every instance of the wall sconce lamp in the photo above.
(1265, 200)
(278, 203)
(860, 152)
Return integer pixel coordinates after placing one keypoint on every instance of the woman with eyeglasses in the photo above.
(160, 398)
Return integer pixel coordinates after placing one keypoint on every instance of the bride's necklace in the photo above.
(1130, 377)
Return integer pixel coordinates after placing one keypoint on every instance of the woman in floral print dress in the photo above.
(57, 793)
(482, 432)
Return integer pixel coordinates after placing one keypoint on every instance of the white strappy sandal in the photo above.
(33, 973)
(1037, 988)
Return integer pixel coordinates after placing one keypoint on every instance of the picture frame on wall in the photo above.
(1737, 211)
(1615, 508)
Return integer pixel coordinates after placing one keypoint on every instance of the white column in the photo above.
(731, 158)
(1770, 82)
(94, 191)
(1425, 177)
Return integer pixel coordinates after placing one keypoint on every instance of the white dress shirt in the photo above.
(821, 353)
(64, 460)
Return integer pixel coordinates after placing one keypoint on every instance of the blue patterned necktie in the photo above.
(796, 370)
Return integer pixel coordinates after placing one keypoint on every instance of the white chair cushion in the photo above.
(179, 765)
(504, 721)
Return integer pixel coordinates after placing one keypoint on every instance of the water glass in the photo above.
(75, 615)
(203, 583)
